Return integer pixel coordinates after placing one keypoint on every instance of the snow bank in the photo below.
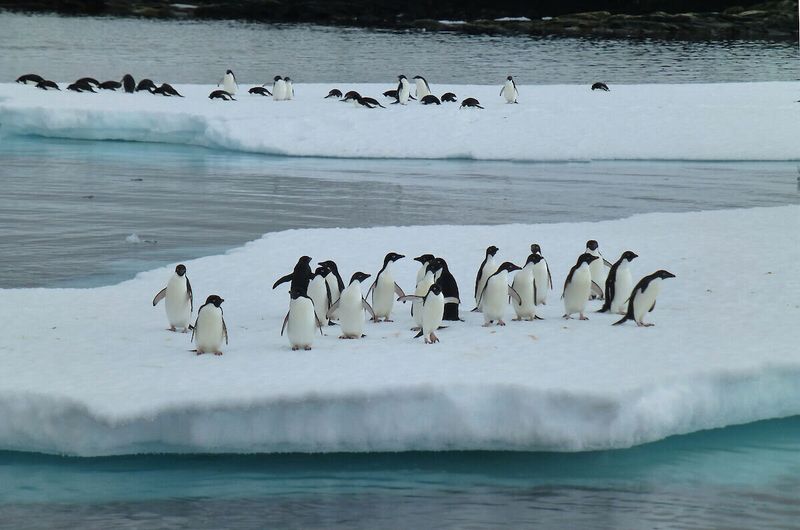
(744, 121)
(94, 372)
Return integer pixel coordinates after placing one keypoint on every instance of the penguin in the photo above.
(47, 85)
(486, 269)
(320, 292)
(301, 322)
(471, 102)
(449, 287)
(333, 279)
(577, 286)
(643, 298)
(289, 89)
(128, 83)
(278, 89)
(618, 284)
(392, 94)
(300, 276)
(599, 269)
(30, 79)
(494, 296)
(449, 97)
(88, 81)
(431, 311)
(221, 94)
(145, 85)
(178, 299)
(229, 83)
(423, 260)
(209, 329)
(430, 99)
(363, 103)
(81, 87)
(403, 90)
(423, 285)
(525, 286)
(259, 91)
(350, 307)
(166, 90)
(542, 279)
(110, 85)
(509, 90)
(384, 288)
(351, 95)
(372, 101)
(423, 89)
(600, 86)
(334, 93)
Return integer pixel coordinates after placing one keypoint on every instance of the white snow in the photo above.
(744, 121)
(94, 372)
(512, 19)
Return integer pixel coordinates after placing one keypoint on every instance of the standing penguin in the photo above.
(300, 276)
(350, 308)
(178, 295)
(128, 83)
(320, 292)
(301, 322)
(494, 296)
(229, 83)
(384, 288)
(445, 279)
(525, 285)
(618, 285)
(509, 90)
(599, 269)
(333, 278)
(289, 89)
(643, 297)
(403, 90)
(577, 287)
(543, 281)
(278, 89)
(486, 269)
(431, 311)
(423, 260)
(209, 328)
(423, 89)
(423, 285)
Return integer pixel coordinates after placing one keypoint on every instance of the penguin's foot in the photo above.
(295, 348)
(387, 320)
(644, 324)
(346, 337)
(185, 330)
(517, 319)
(306, 348)
(217, 353)
(501, 323)
(487, 324)
(434, 339)
(583, 317)
(567, 317)
(199, 352)
(416, 328)
(537, 317)
(172, 329)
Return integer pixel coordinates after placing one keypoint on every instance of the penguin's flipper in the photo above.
(535, 297)
(515, 295)
(332, 310)
(368, 308)
(549, 276)
(283, 279)
(371, 287)
(319, 324)
(194, 328)
(191, 296)
(411, 298)
(398, 290)
(418, 335)
(607, 263)
(451, 300)
(654, 306)
(225, 331)
(160, 296)
(597, 291)
(286, 321)
(620, 321)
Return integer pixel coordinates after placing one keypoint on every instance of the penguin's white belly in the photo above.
(383, 296)
(422, 289)
(599, 272)
(318, 293)
(509, 93)
(208, 330)
(351, 312)
(229, 84)
(542, 282)
(422, 90)
(402, 94)
(279, 91)
(334, 287)
(432, 313)
(622, 291)
(577, 292)
(489, 268)
(645, 300)
(523, 285)
(289, 91)
(302, 323)
(495, 297)
(177, 302)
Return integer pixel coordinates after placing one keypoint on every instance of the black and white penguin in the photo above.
(525, 286)
(209, 329)
(618, 284)
(289, 88)
(47, 85)
(110, 85)
(334, 93)
(89, 81)
(430, 99)
(486, 269)
(351, 95)
(431, 310)
(229, 83)
(494, 297)
(300, 276)
(301, 322)
(449, 97)
(81, 87)
(145, 85)
(509, 90)
(259, 91)
(423, 89)
(166, 90)
(600, 86)
(333, 279)
(363, 103)
(449, 288)
(599, 270)
(643, 297)
(392, 94)
(577, 287)
(30, 79)
(384, 289)
(423, 260)
(129, 83)
(320, 293)
(542, 279)
(403, 90)
(221, 94)
(427, 279)
(178, 299)
(278, 89)
(350, 307)
(471, 102)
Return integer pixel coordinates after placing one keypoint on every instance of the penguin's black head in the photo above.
(425, 258)
(215, 300)
(435, 289)
(359, 276)
(392, 256)
(229, 72)
(630, 256)
(534, 258)
(663, 274)
(491, 251)
(305, 260)
(401, 76)
(509, 78)
(330, 265)
(277, 78)
(586, 258)
(508, 266)
(592, 244)
(439, 264)
(287, 78)
(536, 249)
(419, 77)
(180, 270)
(321, 271)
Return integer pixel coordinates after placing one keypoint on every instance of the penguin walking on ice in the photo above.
(209, 329)
(643, 298)
(350, 307)
(110, 85)
(577, 287)
(278, 89)
(334, 281)
(542, 279)
(423, 89)
(509, 90)
(445, 279)
(599, 270)
(486, 269)
(300, 276)
(403, 90)
(177, 296)
(423, 285)
(289, 89)
(320, 292)
(229, 83)
(525, 286)
(431, 311)
(619, 284)
(384, 288)
(301, 322)
(423, 260)
(494, 296)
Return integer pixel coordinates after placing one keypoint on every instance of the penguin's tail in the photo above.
(418, 335)
(620, 321)
(479, 106)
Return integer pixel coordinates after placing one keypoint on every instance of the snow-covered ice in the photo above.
(736, 121)
(94, 372)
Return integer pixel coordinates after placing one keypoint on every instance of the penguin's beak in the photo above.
(669, 275)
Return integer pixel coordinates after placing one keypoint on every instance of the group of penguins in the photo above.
(320, 297)
(283, 90)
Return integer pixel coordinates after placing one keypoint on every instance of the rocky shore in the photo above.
(772, 20)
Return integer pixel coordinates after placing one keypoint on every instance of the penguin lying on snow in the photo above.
(471, 102)
(178, 299)
(209, 329)
(47, 85)
(166, 90)
(221, 94)
(600, 86)
(260, 91)
(334, 93)
(110, 85)
(81, 87)
(643, 298)
(89, 81)
(449, 97)
(30, 79)
(430, 99)
(145, 85)
(432, 311)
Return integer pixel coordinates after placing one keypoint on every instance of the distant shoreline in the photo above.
(774, 21)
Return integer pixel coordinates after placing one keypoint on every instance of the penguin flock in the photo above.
(319, 298)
